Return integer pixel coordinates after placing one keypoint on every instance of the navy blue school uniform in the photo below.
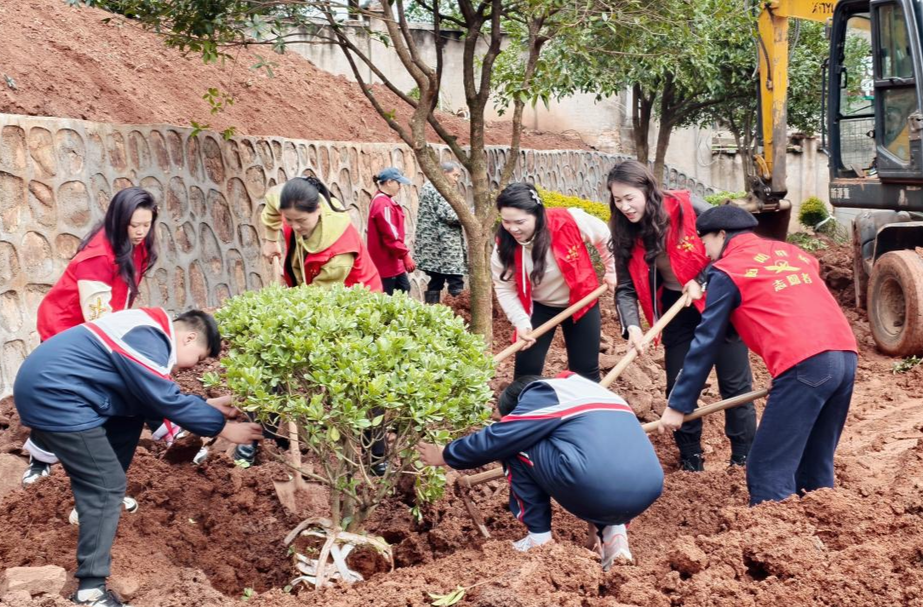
(85, 393)
(573, 441)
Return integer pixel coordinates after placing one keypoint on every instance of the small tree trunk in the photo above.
(641, 111)
(663, 142)
(480, 247)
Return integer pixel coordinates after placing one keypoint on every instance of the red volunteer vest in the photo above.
(60, 308)
(363, 271)
(786, 314)
(572, 257)
(686, 254)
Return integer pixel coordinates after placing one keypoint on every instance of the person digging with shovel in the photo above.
(773, 293)
(86, 392)
(571, 440)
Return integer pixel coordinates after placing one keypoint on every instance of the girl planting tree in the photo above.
(660, 257)
(541, 266)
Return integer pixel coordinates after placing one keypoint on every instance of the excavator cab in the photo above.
(875, 127)
(874, 110)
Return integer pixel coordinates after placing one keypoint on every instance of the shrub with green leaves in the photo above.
(718, 198)
(351, 367)
(812, 212)
(557, 200)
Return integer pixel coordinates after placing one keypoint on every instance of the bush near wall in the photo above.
(559, 200)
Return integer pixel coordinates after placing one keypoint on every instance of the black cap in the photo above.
(726, 217)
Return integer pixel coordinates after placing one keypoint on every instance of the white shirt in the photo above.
(553, 290)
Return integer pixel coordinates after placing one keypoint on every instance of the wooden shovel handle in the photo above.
(650, 336)
(495, 473)
(728, 403)
(552, 323)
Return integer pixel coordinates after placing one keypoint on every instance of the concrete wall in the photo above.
(58, 175)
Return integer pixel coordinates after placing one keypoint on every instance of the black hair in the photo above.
(654, 225)
(509, 398)
(303, 194)
(118, 217)
(205, 325)
(525, 197)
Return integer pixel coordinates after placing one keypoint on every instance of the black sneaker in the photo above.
(35, 472)
(100, 598)
(738, 460)
(245, 455)
(692, 463)
(379, 469)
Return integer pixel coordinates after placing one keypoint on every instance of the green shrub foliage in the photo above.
(351, 367)
(556, 199)
(717, 199)
(812, 212)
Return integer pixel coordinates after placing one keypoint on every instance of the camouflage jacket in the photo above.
(439, 245)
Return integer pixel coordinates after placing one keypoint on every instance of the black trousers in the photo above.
(437, 281)
(581, 339)
(96, 461)
(732, 366)
(400, 282)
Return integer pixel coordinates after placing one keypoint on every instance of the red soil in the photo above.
(204, 535)
(65, 62)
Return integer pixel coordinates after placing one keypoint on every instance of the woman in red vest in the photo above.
(540, 266)
(102, 277)
(386, 234)
(105, 273)
(322, 246)
(659, 257)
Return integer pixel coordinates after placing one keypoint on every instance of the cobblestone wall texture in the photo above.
(57, 176)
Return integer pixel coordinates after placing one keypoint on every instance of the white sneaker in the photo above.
(531, 541)
(35, 472)
(615, 548)
(131, 505)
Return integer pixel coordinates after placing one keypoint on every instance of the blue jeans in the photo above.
(801, 426)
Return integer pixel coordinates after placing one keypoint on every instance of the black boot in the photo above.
(738, 460)
(432, 297)
(693, 462)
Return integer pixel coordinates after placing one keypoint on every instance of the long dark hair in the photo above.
(524, 197)
(654, 226)
(118, 216)
(303, 194)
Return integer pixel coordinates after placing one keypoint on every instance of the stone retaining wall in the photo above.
(57, 176)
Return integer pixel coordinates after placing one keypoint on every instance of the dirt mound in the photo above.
(64, 61)
(204, 535)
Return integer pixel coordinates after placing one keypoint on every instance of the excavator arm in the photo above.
(767, 192)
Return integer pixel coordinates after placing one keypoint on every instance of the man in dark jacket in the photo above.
(572, 440)
(86, 393)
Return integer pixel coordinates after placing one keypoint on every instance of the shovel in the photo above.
(287, 490)
(552, 323)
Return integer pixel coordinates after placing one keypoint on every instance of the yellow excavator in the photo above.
(874, 122)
